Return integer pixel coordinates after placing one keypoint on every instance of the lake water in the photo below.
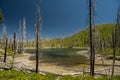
(64, 57)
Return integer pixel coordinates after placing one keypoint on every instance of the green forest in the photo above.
(81, 39)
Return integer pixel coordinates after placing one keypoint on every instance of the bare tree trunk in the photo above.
(101, 51)
(37, 49)
(20, 36)
(14, 45)
(114, 52)
(10, 44)
(37, 37)
(91, 40)
(4, 36)
(5, 54)
(116, 40)
(115, 37)
(23, 35)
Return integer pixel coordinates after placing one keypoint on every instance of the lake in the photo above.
(60, 56)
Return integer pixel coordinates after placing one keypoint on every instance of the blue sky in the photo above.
(59, 17)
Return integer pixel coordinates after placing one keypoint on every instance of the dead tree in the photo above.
(91, 24)
(10, 44)
(14, 45)
(20, 47)
(5, 54)
(38, 22)
(23, 34)
(114, 51)
(115, 38)
(4, 36)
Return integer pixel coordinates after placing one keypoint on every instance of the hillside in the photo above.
(81, 39)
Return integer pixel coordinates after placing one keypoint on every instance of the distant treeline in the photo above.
(101, 33)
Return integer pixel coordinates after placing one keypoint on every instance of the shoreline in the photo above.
(62, 70)
(22, 61)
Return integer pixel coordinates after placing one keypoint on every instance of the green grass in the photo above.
(9, 52)
(19, 75)
(26, 75)
(1, 53)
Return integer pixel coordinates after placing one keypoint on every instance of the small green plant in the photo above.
(10, 51)
(68, 77)
(1, 53)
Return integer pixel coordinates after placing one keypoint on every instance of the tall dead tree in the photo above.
(14, 46)
(38, 22)
(10, 43)
(114, 51)
(23, 35)
(4, 36)
(5, 54)
(19, 36)
(116, 37)
(91, 24)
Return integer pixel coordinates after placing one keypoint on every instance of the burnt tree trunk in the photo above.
(14, 47)
(114, 52)
(37, 37)
(5, 54)
(37, 49)
(10, 44)
(116, 37)
(92, 56)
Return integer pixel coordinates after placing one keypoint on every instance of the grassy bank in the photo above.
(27, 75)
